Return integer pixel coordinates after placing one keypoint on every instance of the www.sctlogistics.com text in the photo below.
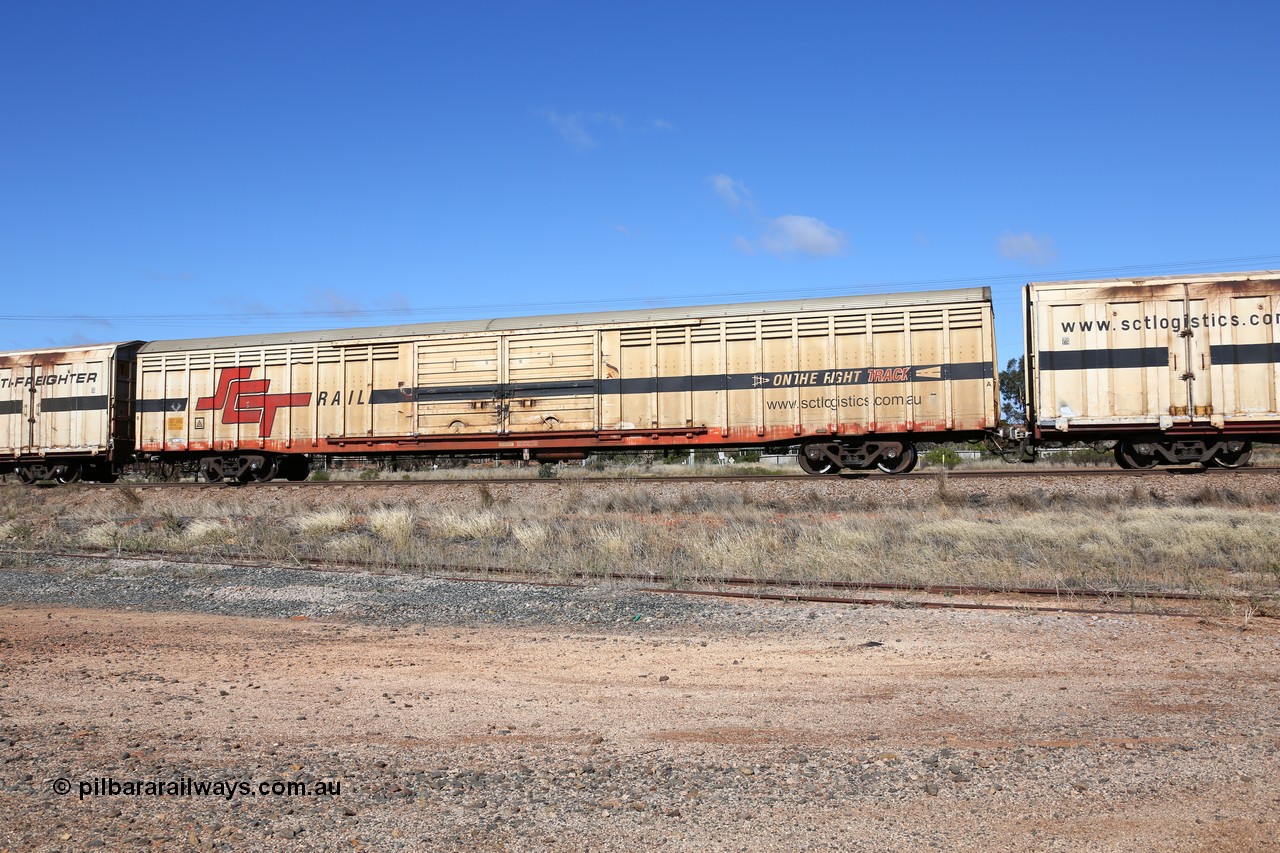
(227, 789)
(1173, 323)
(843, 402)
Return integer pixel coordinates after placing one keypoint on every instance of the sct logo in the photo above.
(246, 401)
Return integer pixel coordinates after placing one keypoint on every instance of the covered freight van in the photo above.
(1175, 369)
(67, 413)
(853, 381)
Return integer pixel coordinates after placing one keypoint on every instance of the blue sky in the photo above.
(187, 169)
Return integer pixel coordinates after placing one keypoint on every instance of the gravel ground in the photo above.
(458, 715)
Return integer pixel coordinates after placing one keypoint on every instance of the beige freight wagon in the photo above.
(1179, 369)
(67, 413)
(853, 380)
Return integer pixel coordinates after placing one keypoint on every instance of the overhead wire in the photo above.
(1004, 285)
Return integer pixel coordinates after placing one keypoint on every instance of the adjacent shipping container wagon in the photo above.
(853, 380)
(1176, 369)
(67, 413)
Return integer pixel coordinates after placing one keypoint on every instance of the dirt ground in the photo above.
(864, 729)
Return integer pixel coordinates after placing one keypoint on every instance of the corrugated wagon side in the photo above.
(853, 380)
(254, 407)
(67, 413)
(1176, 369)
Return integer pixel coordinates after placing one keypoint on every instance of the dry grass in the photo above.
(16, 531)
(204, 531)
(468, 525)
(532, 536)
(325, 522)
(1213, 540)
(104, 535)
(393, 525)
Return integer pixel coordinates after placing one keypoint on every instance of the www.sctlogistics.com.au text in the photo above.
(228, 789)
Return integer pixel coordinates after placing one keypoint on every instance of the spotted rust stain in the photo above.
(1196, 289)
(1244, 287)
(49, 359)
(1128, 292)
(39, 359)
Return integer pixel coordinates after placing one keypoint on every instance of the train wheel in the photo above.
(1127, 456)
(26, 476)
(820, 467)
(68, 473)
(295, 468)
(267, 472)
(902, 464)
(1226, 459)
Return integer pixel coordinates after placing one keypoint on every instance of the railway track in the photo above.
(1012, 472)
(1071, 600)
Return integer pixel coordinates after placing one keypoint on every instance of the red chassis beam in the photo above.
(587, 440)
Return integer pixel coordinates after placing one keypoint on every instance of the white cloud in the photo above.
(614, 120)
(580, 129)
(1034, 249)
(802, 235)
(571, 129)
(733, 191)
(169, 277)
(791, 234)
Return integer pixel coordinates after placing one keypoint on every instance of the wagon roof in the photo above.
(1190, 278)
(593, 319)
(106, 347)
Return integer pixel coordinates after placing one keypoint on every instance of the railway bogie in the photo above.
(831, 457)
(1151, 452)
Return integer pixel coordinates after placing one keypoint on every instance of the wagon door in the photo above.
(459, 386)
(1189, 352)
(15, 427)
(1246, 352)
(30, 411)
(69, 403)
(551, 380)
(1103, 358)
